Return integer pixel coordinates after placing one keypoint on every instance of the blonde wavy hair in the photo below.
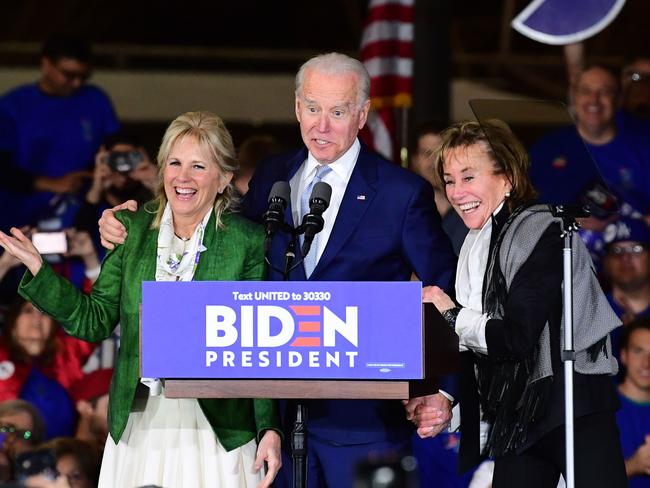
(213, 137)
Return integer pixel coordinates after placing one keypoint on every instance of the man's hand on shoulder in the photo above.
(111, 230)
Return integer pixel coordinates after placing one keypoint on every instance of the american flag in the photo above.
(387, 53)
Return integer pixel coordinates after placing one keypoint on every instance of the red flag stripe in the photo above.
(388, 85)
(391, 11)
(387, 52)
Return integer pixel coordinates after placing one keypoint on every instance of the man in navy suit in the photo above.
(381, 225)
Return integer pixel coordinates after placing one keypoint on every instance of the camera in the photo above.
(123, 162)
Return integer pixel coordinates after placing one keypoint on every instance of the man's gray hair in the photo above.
(337, 64)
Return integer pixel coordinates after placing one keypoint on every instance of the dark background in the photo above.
(473, 40)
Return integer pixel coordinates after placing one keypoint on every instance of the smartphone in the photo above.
(50, 242)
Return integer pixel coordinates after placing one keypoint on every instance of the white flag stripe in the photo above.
(387, 31)
(380, 135)
(389, 66)
(381, 3)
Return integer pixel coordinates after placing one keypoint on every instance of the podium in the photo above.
(440, 358)
(411, 347)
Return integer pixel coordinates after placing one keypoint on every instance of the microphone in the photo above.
(313, 221)
(274, 216)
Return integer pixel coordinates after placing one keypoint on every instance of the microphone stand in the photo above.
(299, 429)
(568, 215)
(318, 203)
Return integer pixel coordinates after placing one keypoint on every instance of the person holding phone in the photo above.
(189, 232)
(123, 171)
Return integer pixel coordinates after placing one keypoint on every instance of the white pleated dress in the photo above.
(172, 445)
(169, 442)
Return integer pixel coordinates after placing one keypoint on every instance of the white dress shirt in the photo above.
(338, 179)
(470, 272)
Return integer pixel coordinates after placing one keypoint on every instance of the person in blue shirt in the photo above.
(50, 131)
(633, 417)
(626, 267)
(570, 165)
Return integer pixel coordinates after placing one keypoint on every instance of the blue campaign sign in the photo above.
(294, 330)
(560, 22)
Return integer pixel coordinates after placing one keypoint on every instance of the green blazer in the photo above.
(234, 252)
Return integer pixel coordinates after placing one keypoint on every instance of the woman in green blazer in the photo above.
(188, 232)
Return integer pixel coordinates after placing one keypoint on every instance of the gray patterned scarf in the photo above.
(512, 394)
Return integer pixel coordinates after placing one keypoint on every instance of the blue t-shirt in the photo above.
(561, 166)
(564, 168)
(633, 421)
(50, 136)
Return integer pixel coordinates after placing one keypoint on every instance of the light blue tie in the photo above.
(309, 260)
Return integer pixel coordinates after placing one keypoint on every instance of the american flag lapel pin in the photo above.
(361, 197)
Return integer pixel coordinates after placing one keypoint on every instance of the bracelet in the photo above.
(450, 315)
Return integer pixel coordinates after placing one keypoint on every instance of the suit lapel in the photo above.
(149, 254)
(358, 196)
(212, 261)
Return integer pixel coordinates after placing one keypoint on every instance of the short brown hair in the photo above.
(504, 149)
(641, 323)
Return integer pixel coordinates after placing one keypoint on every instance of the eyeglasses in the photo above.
(634, 249)
(71, 75)
(10, 430)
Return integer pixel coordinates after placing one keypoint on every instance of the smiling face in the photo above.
(329, 115)
(192, 181)
(472, 187)
(32, 330)
(595, 103)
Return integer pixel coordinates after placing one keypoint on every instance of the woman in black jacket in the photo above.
(508, 317)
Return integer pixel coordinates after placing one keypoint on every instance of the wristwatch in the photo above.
(450, 315)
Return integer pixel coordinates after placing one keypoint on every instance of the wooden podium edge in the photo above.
(298, 389)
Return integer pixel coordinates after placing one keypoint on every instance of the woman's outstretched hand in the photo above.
(20, 246)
